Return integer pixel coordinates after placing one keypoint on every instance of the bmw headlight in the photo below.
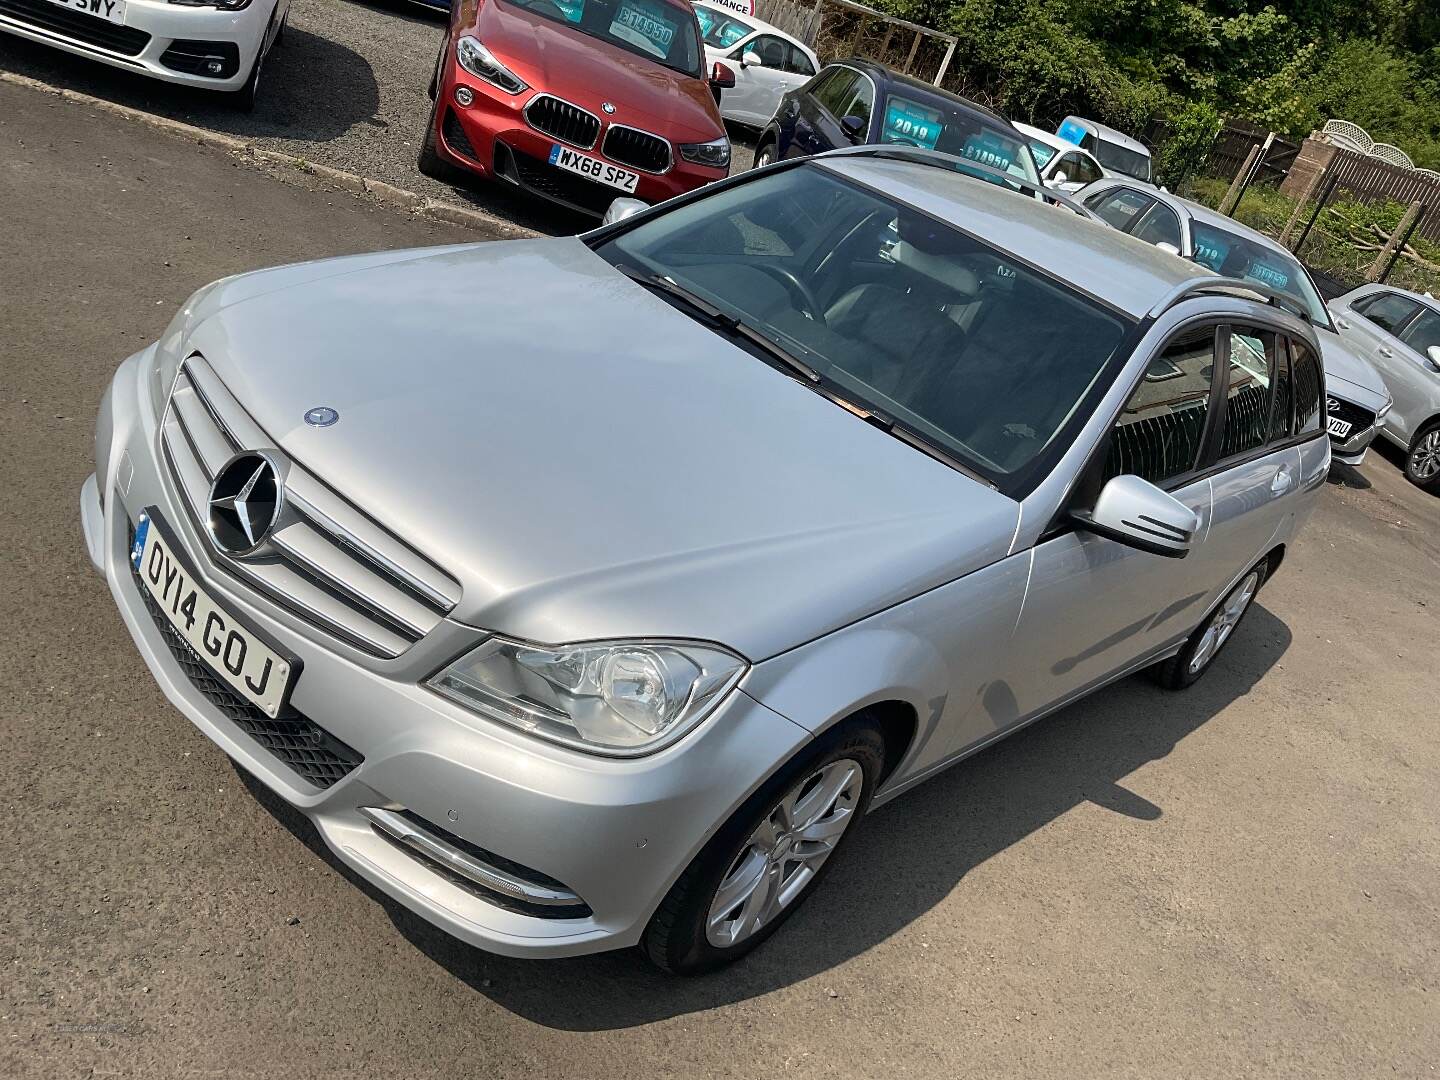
(621, 698)
(480, 62)
(715, 153)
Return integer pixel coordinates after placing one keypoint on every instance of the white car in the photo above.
(1062, 164)
(766, 61)
(217, 44)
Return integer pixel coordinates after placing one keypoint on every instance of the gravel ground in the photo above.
(1242, 880)
(346, 89)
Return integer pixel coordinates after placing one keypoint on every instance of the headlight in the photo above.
(619, 698)
(715, 153)
(1384, 410)
(480, 62)
(170, 349)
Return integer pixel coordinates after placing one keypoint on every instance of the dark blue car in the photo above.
(857, 101)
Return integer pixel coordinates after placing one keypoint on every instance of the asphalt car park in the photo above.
(1238, 881)
(345, 88)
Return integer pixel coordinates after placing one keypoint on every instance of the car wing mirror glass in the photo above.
(621, 209)
(854, 127)
(1134, 512)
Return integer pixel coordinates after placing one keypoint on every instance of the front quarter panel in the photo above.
(937, 653)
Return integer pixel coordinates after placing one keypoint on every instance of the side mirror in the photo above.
(751, 59)
(721, 77)
(854, 127)
(1433, 355)
(1165, 245)
(1136, 513)
(620, 209)
(1058, 177)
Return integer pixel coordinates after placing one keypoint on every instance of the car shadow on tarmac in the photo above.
(910, 855)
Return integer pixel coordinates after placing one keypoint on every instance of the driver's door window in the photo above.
(1160, 432)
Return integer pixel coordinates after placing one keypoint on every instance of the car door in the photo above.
(1376, 325)
(1422, 374)
(1256, 479)
(815, 124)
(1094, 606)
(760, 78)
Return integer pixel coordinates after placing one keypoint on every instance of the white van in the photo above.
(1115, 150)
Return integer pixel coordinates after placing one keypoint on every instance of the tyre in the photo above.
(764, 155)
(1213, 634)
(1422, 460)
(244, 98)
(429, 160)
(772, 853)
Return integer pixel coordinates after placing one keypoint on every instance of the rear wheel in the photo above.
(772, 853)
(764, 155)
(1422, 463)
(1199, 652)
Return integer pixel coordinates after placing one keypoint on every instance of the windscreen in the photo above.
(935, 125)
(1235, 256)
(654, 29)
(720, 30)
(947, 336)
(1121, 159)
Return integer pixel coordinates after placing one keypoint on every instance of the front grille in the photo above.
(195, 58)
(545, 179)
(638, 149)
(326, 562)
(561, 120)
(455, 136)
(1359, 419)
(309, 750)
(76, 25)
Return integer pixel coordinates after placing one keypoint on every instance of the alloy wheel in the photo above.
(784, 853)
(1425, 458)
(1224, 621)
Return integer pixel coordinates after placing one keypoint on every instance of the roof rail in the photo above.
(1211, 283)
(965, 167)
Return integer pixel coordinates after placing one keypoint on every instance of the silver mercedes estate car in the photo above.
(586, 592)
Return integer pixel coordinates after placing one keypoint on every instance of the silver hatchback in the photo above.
(586, 592)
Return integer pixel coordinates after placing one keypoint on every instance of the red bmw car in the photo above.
(578, 101)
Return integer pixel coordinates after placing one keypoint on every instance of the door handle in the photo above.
(1341, 323)
(1385, 351)
(1281, 483)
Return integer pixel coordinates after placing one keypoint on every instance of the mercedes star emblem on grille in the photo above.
(245, 501)
(321, 416)
(607, 108)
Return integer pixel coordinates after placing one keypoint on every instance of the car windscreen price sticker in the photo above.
(911, 124)
(1268, 275)
(1210, 252)
(988, 148)
(645, 28)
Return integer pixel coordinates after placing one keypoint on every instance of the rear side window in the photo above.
(1121, 208)
(1247, 394)
(1387, 310)
(798, 63)
(1159, 432)
(1424, 332)
(1309, 388)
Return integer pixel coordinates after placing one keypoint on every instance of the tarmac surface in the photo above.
(1242, 880)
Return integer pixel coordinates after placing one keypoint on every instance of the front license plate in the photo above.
(1339, 428)
(593, 168)
(252, 668)
(109, 10)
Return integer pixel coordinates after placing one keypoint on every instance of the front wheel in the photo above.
(764, 156)
(771, 854)
(1199, 652)
(1422, 463)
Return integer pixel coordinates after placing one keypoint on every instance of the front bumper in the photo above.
(157, 39)
(1351, 450)
(616, 833)
(491, 137)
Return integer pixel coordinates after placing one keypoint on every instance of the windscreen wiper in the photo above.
(729, 324)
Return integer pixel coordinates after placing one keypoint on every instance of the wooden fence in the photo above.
(1232, 147)
(1369, 179)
